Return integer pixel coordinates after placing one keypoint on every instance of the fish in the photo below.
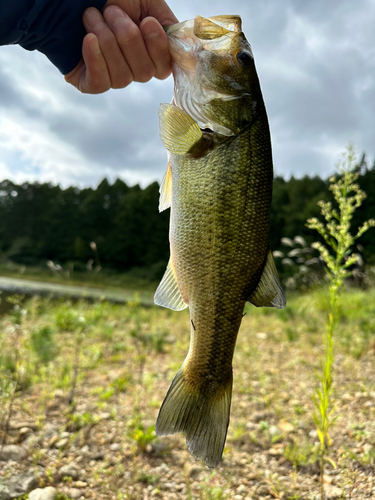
(218, 186)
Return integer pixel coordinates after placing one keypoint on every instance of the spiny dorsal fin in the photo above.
(165, 199)
(168, 293)
(178, 131)
(268, 292)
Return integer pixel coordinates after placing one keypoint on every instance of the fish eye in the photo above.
(244, 57)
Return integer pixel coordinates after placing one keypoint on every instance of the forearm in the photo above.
(53, 27)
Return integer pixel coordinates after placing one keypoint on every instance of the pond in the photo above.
(27, 288)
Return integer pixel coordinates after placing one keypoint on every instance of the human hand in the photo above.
(123, 45)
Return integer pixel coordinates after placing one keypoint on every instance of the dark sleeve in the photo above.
(53, 27)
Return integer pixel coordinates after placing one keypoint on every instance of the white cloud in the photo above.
(316, 65)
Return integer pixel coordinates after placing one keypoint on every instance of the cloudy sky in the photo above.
(315, 60)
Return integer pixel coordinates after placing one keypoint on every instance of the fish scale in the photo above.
(218, 186)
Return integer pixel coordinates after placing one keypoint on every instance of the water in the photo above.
(28, 289)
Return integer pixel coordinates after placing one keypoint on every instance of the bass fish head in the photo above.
(215, 77)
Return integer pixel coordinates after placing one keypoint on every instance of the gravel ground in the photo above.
(94, 439)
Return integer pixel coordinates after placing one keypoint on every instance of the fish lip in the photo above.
(184, 51)
(176, 27)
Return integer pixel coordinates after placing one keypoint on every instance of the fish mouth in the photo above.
(185, 46)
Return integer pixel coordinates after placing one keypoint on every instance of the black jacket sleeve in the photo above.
(53, 27)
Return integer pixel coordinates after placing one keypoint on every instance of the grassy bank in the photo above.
(91, 378)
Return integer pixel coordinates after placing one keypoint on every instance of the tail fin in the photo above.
(202, 415)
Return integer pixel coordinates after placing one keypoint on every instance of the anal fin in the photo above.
(165, 199)
(168, 293)
(269, 292)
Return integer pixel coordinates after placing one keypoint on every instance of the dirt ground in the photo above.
(82, 421)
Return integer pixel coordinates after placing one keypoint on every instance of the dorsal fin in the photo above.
(178, 131)
(268, 293)
(168, 293)
(165, 199)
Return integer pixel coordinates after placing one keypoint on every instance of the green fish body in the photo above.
(218, 186)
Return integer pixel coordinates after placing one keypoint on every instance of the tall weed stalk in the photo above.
(337, 255)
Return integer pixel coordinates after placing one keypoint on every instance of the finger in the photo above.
(95, 79)
(74, 76)
(137, 10)
(157, 46)
(160, 10)
(130, 41)
(118, 69)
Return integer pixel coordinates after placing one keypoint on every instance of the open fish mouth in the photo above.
(188, 41)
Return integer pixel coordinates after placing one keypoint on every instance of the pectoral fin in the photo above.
(168, 293)
(268, 292)
(178, 131)
(165, 199)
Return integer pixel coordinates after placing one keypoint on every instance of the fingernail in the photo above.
(94, 45)
(114, 16)
(93, 18)
(150, 28)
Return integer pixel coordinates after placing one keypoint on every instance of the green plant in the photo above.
(300, 453)
(79, 338)
(121, 383)
(43, 344)
(145, 343)
(336, 254)
(365, 459)
(146, 478)
(142, 435)
(79, 421)
(68, 318)
(210, 490)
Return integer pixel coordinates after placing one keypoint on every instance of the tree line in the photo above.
(40, 222)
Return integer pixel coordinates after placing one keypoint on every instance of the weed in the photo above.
(106, 333)
(79, 338)
(146, 478)
(79, 421)
(275, 485)
(142, 435)
(365, 459)
(43, 344)
(210, 491)
(63, 381)
(7, 397)
(239, 431)
(145, 343)
(121, 384)
(300, 453)
(67, 318)
(291, 333)
(336, 234)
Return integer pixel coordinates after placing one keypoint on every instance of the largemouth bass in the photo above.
(218, 186)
